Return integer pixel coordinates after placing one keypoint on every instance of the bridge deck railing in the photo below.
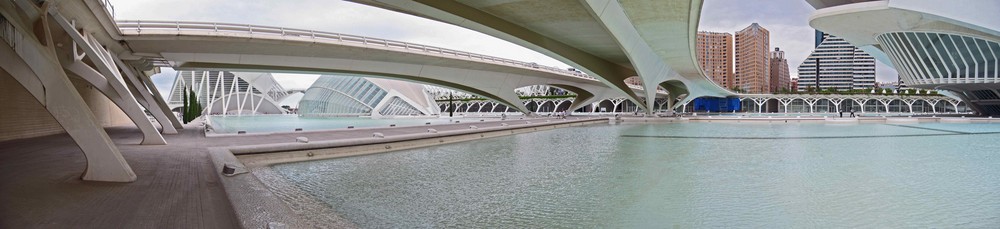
(157, 27)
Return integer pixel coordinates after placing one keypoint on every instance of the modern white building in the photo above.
(951, 46)
(336, 95)
(842, 66)
(229, 93)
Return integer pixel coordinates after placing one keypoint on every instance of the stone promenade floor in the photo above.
(40, 185)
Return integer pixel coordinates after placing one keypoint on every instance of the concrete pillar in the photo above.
(64, 103)
(160, 102)
(150, 136)
(107, 78)
(146, 99)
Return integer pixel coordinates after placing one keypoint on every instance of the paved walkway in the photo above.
(40, 186)
(176, 186)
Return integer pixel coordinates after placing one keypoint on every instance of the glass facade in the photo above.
(334, 95)
(842, 66)
(938, 58)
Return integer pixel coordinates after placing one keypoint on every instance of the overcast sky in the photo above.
(785, 19)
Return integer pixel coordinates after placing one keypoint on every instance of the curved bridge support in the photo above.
(583, 97)
(43, 77)
(168, 121)
(656, 23)
(676, 90)
(149, 134)
(461, 14)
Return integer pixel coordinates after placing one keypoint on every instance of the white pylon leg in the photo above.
(45, 79)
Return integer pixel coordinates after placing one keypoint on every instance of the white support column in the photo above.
(885, 103)
(615, 103)
(145, 98)
(107, 79)
(162, 104)
(933, 103)
(862, 103)
(760, 104)
(812, 103)
(836, 103)
(909, 104)
(784, 102)
(44, 78)
(150, 136)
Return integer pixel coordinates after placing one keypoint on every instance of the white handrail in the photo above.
(145, 26)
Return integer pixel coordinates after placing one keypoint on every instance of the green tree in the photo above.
(186, 108)
(192, 107)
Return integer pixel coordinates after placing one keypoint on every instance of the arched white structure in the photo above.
(229, 93)
(336, 95)
(952, 46)
(198, 45)
(613, 40)
(251, 104)
(810, 101)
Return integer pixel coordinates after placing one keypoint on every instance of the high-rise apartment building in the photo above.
(715, 56)
(753, 71)
(780, 79)
(842, 66)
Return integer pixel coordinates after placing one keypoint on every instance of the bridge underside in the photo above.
(54, 44)
(498, 82)
(614, 40)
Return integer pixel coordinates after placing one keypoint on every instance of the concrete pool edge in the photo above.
(810, 119)
(471, 120)
(255, 204)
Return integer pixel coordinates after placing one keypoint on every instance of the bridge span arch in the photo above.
(257, 48)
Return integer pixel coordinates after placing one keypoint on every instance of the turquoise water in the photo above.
(287, 123)
(846, 114)
(690, 175)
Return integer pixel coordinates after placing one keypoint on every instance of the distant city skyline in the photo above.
(786, 19)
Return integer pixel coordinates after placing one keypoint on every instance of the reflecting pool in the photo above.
(676, 175)
(287, 123)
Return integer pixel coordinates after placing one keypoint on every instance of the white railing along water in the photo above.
(158, 27)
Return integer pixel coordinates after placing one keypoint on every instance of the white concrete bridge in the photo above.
(50, 44)
(609, 39)
(205, 45)
(54, 49)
